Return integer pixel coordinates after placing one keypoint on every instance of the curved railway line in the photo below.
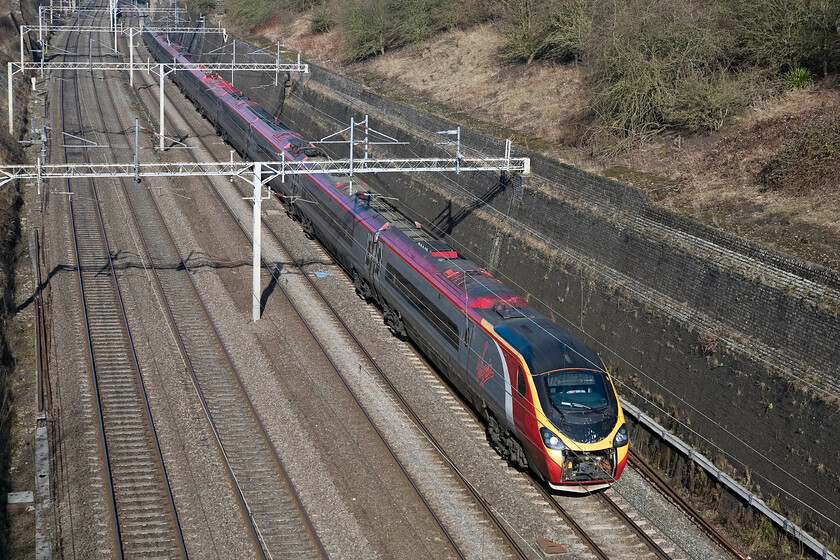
(280, 523)
(141, 512)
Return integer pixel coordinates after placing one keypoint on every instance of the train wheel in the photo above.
(505, 443)
(494, 435)
(362, 287)
(394, 322)
(517, 455)
(308, 229)
(289, 207)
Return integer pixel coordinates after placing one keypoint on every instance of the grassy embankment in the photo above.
(10, 238)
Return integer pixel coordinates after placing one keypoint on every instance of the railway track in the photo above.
(646, 471)
(280, 526)
(144, 520)
(269, 502)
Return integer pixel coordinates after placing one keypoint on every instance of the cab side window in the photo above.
(521, 386)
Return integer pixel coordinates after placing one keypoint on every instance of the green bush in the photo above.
(252, 13)
(366, 29)
(323, 19)
(372, 26)
(797, 78)
(704, 102)
(785, 34)
(808, 159)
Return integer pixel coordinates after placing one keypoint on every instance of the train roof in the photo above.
(546, 347)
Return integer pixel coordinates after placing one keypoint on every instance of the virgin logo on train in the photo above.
(484, 370)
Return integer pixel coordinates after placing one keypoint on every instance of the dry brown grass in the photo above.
(711, 177)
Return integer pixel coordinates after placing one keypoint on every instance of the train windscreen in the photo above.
(576, 390)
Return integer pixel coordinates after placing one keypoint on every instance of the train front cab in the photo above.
(572, 466)
(565, 464)
(576, 467)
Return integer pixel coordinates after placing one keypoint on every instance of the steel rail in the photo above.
(407, 407)
(345, 382)
(204, 400)
(652, 545)
(108, 479)
(576, 528)
(42, 363)
(647, 472)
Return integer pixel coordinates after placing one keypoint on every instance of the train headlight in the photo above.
(551, 440)
(620, 439)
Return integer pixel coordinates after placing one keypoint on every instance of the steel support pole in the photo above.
(131, 56)
(11, 102)
(257, 240)
(367, 137)
(136, 150)
(352, 126)
(161, 106)
(458, 152)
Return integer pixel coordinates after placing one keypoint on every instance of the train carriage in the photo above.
(549, 402)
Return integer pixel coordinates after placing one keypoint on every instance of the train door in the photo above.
(521, 407)
(373, 254)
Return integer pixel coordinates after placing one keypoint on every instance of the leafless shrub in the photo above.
(709, 342)
(547, 29)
